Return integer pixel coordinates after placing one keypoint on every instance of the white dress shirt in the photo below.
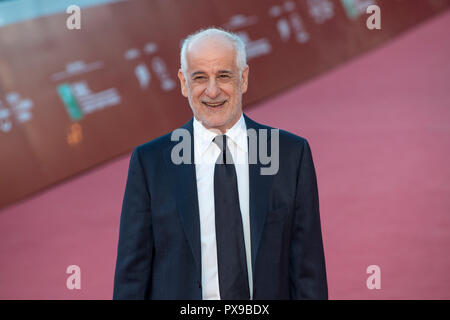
(206, 153)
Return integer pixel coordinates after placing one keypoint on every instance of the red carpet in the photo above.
(379, 128)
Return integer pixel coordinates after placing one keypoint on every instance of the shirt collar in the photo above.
(238, 134)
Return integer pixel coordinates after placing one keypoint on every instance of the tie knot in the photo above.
(221, 142)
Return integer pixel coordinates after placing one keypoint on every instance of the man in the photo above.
(218, 227)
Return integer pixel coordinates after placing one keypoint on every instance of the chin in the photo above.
(214, 121)
(214, 124)
(217, 121)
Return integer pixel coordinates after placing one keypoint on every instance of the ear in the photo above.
(244, 79)
(183, 83)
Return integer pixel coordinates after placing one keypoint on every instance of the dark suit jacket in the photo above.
(159, 241)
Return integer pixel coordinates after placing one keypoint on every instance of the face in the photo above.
(212, 83)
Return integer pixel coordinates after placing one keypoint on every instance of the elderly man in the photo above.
(217, 227)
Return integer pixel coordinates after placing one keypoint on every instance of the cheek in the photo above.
(196, 93)
(229, 91)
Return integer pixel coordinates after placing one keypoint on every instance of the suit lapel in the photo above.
(184, 183)
(260, 189)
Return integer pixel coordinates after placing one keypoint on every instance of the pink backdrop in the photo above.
(379, 127)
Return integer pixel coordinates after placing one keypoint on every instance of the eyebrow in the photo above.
(220, 72)
(196, 73)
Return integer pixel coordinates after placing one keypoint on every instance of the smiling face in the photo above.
(213, 83)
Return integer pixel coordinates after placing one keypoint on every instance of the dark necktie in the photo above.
(231, 257)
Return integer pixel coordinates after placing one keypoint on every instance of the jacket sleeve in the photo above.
(135, 249)
(307, 261)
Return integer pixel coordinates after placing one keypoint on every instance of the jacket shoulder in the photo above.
(292, 139)
(286, 137)
(155, 146)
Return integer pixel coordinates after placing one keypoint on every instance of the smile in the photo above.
(214, 105)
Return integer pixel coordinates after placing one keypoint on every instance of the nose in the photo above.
(212, 90)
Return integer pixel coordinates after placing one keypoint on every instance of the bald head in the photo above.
(210, 39)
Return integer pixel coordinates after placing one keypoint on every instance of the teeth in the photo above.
(214, 104)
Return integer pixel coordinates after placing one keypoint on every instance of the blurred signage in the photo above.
(72, 99)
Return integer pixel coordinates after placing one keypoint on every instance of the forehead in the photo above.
(211, 53)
